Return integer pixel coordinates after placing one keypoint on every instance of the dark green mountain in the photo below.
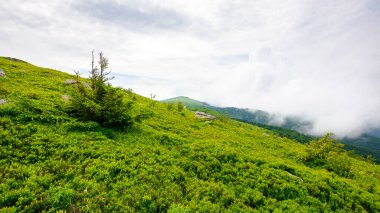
(375, 133)
(188, 102)
(365, 145)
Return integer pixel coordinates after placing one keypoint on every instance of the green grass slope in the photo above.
(171, 162)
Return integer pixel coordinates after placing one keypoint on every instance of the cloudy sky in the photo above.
(319, 59)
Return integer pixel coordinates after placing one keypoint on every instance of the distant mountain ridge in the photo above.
(188, 102)
(375, 133)
(249, 115)
(291, 127)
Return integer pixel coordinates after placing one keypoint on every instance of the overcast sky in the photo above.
(319, 59)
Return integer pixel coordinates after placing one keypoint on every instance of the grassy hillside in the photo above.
(170, 162)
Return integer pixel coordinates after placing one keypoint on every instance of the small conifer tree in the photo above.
(101, 102)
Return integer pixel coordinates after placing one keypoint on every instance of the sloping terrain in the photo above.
(171, 161)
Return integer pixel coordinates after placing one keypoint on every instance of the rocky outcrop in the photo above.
(73, 81)
(204, 115)
(65, 98)
(85, 84)
(295, 176)
(2, 73)
(15, 59)
(70, 81)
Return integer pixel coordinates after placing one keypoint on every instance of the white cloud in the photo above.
(316, 59)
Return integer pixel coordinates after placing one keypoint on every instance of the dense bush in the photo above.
(323, 148)
(340, 164)
(110, 111)
(101, 102)
(180, 106)
(326, 152)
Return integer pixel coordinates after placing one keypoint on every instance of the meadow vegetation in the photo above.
(53, 157)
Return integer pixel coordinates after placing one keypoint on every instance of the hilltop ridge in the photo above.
(191, 103)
